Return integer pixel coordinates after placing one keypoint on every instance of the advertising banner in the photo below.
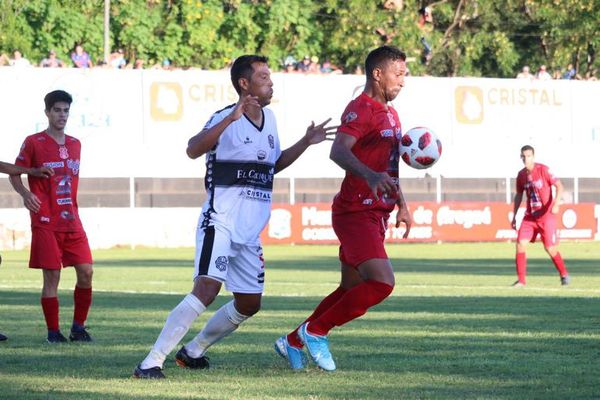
(310, 223)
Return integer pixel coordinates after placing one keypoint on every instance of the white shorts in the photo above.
(241, 267)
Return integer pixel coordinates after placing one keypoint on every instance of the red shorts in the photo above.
(545, 226)
(361, 236)
(54, 250)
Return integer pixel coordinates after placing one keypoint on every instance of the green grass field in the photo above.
(453, 329)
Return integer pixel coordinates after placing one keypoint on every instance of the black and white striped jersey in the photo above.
(239, 176)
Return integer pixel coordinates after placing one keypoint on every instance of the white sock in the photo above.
(221, 324)
(178, 323)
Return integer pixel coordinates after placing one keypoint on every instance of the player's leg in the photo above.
(245, 278)
(76, 252)
(350, 278)
(549, 235)
(362, 239)
(212, 249)
(46, 254)
(50, 305)
(527, 233)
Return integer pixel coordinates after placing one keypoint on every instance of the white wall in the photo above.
(137, 123)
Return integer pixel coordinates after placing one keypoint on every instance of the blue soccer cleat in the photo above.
(295, 356)
(318, 348)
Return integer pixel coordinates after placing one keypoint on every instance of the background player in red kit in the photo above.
(540, 215)
(58, 239)
(11, 169)
(366, 146)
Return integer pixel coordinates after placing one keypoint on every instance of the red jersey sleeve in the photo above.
(550, 178)
(25, 157)
(355, 120)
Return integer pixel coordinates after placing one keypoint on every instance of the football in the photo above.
(420, 148)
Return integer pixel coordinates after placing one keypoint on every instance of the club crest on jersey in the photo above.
(63, 153)
(351, 116)
(387, 133)
(221, 263)
(261, 155)
(271, 141)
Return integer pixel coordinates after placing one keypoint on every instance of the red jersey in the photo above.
(538, 185)
(58, 194)
(378, 132)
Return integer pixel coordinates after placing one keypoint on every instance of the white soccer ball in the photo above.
(420, 148)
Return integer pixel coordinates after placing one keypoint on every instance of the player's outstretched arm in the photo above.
(11, 169)
(207, 139)
(30, 200)
(341, 154)
(314, 134)
(403, 215)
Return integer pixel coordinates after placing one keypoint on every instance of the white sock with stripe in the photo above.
(178, 323)
(221, 324)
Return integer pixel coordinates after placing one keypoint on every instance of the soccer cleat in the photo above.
(183, 359)
(56, 337)
(518, 284)
(80, 335)
(295, 356)
(318, 348)
(148, 373)
(565, 280)
(3, 337)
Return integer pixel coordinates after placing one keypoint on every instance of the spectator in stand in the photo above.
(556, 74)
(19, 61)
(314, 67)
(570, 73)
(329, 68)
(303, 65)
(80, 58)
(542, 74)
(524, 74)
(117, 59)
(4, 60)
(52, 61)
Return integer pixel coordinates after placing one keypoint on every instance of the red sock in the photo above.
(50, 308)
(82, 299)
(560, 265)
(354, 303)
(521, 266)
(323, 306)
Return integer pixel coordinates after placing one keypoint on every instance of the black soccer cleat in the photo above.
(80, 335)
(3, 337)
(185, 361)
(148, 373)
(565, 280)
(56, 337)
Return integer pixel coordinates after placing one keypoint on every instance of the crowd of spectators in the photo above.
(543, 74)
(79, 58)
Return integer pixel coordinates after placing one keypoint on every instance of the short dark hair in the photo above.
(381, 55)
(527, 147)
(57, 96)
(242, 68)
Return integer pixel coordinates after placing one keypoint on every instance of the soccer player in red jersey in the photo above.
(540, 215)
(11, 169)
(366, 146)
(58, 239)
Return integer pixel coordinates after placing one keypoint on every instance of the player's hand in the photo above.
(31, 202)
(243, 105)
(403, 216)
(317, 133)
(555, 208)
(43, 172)
(381, 182)
(513, 224)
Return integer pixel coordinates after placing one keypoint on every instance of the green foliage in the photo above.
(468, 37)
